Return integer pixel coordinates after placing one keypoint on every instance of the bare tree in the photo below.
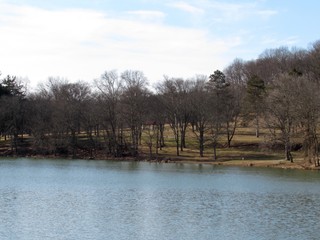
(40, 123)
(281, 113)
(175, 94)
(155, 122)
(111, 88)
(68, 101)
(236, 76)
(134, 100)
(201, 110)
(308, 103)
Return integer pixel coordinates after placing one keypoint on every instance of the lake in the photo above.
(78, 199)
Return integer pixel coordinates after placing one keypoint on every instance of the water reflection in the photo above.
(119, 200)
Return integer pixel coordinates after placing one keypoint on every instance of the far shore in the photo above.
(258, 163)
(282, 164)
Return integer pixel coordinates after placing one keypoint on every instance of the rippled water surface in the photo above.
(64, 199)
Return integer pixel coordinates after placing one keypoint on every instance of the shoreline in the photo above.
(279, 164)
(299, 164)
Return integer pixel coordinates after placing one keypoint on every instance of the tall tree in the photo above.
(169, 97)
(69, 100)
(255, 96)
(281, 112)
(308, 104)
(175, 96)
(218, 88)
(184, 113)
(134, 100)
(200, 110)
(155, 122)
(111, 88)
(12, 112)
(40, 123)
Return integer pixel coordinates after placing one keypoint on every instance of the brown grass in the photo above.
(246, 150)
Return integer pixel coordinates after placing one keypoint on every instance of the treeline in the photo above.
(280, 90)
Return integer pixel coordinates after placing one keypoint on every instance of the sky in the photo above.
(81, 39)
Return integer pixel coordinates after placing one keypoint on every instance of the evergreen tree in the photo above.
(254, 98)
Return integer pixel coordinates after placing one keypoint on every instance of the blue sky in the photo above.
(80, 39)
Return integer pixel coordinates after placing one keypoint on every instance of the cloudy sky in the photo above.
(80, 39)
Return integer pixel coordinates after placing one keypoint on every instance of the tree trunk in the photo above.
(201, 142)
(230, 133)
(150, 150)
(15, 143)
(215, 158)
(136, 146)
(183, 128)
(257, 127)
(157, 140)
(140, 135)
(182, 140)
(287, 151)
(183, 137)
(228, 136)
(161, 128)
(177, 141)
(74, 143)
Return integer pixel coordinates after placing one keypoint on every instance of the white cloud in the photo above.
(266, 13)
(154, 16)
(184, 6)
(82, 44)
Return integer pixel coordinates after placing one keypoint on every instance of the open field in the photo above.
(246, 150)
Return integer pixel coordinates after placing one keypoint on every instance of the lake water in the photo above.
(77, 199)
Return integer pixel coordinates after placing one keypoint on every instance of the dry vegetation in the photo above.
(246, 150)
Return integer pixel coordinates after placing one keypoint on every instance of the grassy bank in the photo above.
(246, 150)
